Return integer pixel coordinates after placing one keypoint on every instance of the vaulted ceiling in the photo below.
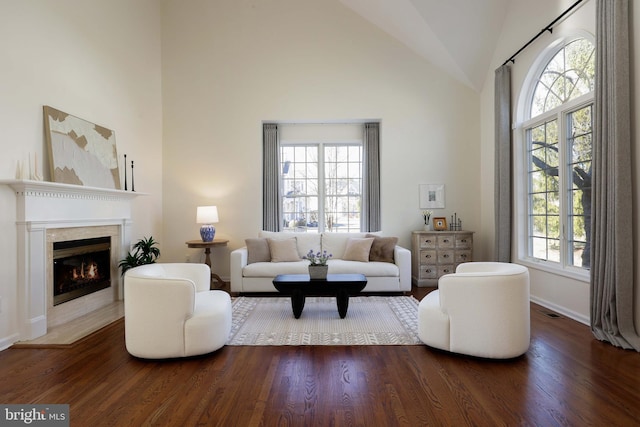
(458, 36)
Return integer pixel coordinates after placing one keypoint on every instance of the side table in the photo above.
(199, 244)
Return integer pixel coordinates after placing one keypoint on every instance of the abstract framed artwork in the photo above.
(80, 152)
(431, 196)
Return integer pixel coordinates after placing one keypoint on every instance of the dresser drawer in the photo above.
(463, 256)
(427, 257)
(427, 242)
(464, 242)
(428, 272)
(446, 257)
(446, 241)
(446, 269)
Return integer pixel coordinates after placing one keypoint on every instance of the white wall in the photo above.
(524, 20)
(94, 59)
(228, 66)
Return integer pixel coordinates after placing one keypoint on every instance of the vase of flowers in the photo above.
(427, 218)
(318, 267)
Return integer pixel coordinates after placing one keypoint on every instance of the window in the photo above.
(321, 177)
(557, 160)
(322, 186)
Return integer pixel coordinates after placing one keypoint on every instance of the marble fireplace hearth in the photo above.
(49, 212)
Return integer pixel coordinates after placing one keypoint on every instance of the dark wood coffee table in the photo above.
(299, 286)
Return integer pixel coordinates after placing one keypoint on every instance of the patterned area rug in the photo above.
(372, 320)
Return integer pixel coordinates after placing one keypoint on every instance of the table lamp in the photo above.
(207, 215)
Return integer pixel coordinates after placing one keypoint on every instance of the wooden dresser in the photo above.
(435, 253)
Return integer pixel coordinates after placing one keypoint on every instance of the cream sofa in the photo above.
(481, 310)
(392, 276)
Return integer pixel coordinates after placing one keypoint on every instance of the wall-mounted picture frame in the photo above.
(439, 223)
(80, 152)
(431, 196)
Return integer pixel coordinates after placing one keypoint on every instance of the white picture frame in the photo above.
(431, 196)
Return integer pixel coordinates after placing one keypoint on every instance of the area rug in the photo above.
(370, 320)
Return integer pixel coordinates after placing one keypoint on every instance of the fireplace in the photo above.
(48, 213)
(80, 267)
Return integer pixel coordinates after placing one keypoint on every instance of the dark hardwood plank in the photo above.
(566, 378)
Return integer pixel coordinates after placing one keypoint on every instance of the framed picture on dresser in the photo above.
(439, 223)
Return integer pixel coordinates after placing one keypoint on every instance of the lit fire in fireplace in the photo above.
(89, 272)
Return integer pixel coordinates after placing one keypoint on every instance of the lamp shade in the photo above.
(207, 215)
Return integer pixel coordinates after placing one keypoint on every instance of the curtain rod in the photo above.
(544, 30)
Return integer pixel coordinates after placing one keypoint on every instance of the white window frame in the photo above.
(524, 122)
(320, 146)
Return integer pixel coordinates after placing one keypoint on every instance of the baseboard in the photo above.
(7, 342)
(562, 310)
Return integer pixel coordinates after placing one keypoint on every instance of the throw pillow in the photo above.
(382, 248)
(284, 250)
(358, 249)
(257, 250)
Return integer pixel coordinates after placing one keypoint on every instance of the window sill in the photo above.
(552, 268)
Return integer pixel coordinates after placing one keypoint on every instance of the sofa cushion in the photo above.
(369, 269)
(272, 269)
(257, 250)
(382, 248)
(304, 241)
(357, 249)
(336, 243)
(283, 250)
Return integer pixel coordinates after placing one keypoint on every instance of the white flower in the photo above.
(427, 215)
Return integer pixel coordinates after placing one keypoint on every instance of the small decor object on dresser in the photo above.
(440, 223)
(426, 215)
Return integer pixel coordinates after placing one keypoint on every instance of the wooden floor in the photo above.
(566, 379)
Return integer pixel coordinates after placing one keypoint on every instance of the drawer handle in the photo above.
(428, 270)
(463, 256)
(427, 256)
(446, 270)
(446, 240)
(428, 241)
(445, 256)
(463, 240)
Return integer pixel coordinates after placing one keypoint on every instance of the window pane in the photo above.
(568, 75)
(343, 187)
(553, 250)
(299, 186)
(544, 190)
(579, 148)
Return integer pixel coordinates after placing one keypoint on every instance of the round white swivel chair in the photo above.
(169, 311)
(481, 310)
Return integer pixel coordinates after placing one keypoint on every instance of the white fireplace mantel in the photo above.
(42, 205)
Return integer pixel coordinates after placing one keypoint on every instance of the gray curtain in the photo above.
(371, 186)
(612, 197)
(503, 174)
(271, 214)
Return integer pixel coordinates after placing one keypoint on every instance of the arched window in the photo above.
(557, 134)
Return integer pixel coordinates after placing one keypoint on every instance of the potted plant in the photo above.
(318, 268)
(144, 252)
